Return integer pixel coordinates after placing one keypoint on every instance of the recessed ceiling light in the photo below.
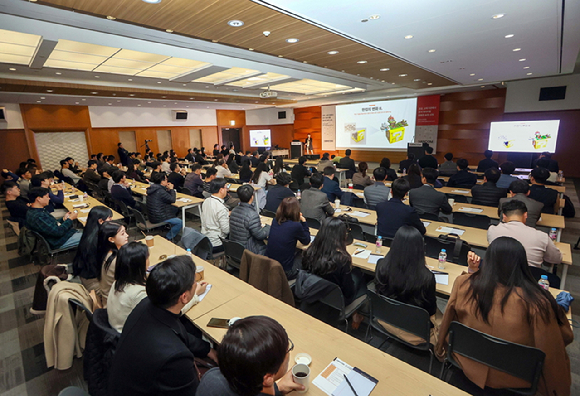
(214, 41)
(304, 61)
(480, 79)
(402, 75)
(409, 36)
(152, 1)
(516, 49)
(472, 74)
(526, 67)
(523, 60)
(363, 61)
(39, 101)
(94, 93)
(42, 97)
(138, 105)
(186, 106)
(385, 69)
(432, 50)
(33, 1)
(175, 103)
(158, 82)
(497, 16)
(83, 99)
(169, 30)
(164, 97)
(417, 79)
(149, 102)
(292, 40)
(332, 52)
(184, 85)
(374, 16)
(114, 94)
(97, 76)
(215, 100)
(509, 35)
(49, 90)
(529, 74)
(76, 102)
(58, 73)
(164, 106)
(235, 23)
(110, 104)
(266, 33)
(12, 69)
(118, 101)
(111, 18)
(280, 56)
(429, 83)
(131, 94)
(130, 79)
(191, 98)
(483, 86)
(250, 49)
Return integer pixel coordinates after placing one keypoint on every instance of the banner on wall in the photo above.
(427, 120)
(328, 128)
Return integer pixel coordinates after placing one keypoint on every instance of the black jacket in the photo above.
(487, 194)
(190, 157)
(123, 156)
(275, 196)
(154, 355)
(485, 164)
(547, 196)
(393, 214)
(176, 179)
(428, 161)
(405, 164)
(299, 172)
(123, 195)
(463, 178)
(159, 200)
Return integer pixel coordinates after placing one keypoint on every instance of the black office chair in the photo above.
(358, 187)
(471, 220)
(124, 209)
(145, 225)
(267, 213)
(429, 216)
(370, 237)
(43, 249)
(356, 231)
(552, 278)
(520, 361)
(233, 252)
(456, 248)
(313, 223)
(184, 190)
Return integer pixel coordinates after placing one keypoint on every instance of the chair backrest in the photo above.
(76, 304)
(429, 216)
(184, 190)
(313, 223)
(406, 317)
(457, 249)
(334, 298)
(552, 278)
(139, 218)
(233, 252)
(268, 213)
(356, 231)
(520, 361)
(14, 226)
(267, 275)
(40, 239)
(358, 187)
(370, 237)
(471, 220)
(121, 207)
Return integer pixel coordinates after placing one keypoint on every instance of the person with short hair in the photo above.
(448, 168)
(66, 172)
(193, 181)
(15, 203)
(73, 166)
(121, 190)
(552, 165)
(330, 184)
(166, 164)
(426, 199)
(506, 178)
(520, 190)
(176, 176)
(109, 165)
(160, 197)
(324, 163)
(55, 207)
(222, 169)
(406, 164)
(190, 157)
(428, 160)
(378, 191)
(347, 163)
(255, 159)
(335, 159)
(91, 175)
(539, 191)
(278, 192)
(487, 162)
(463, 178)
(215, 216)
(123, 154)
(539, 247)
(245, 223)
(58, 235)
(393, 214)
(361, 178)
(488, 193)
(300, 172)
(24, 176)
(314, 202)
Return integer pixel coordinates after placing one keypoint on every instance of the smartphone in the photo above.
(228, 186)
(219, 323)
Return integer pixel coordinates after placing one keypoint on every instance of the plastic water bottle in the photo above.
(544, 283)
(442, 258)
(85, 195)
(379, 245)
(298, 194)
(188, 252)
(404, 171)
(553, 234)
(560, 176)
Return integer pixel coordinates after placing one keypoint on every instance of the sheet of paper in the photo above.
(185, 200)
(312, 238)
(337, 210)
(441, 277)
(357, 213)
(470, 210)
(332, 376)
(83, 219)
(362, 383)
(426, 224)
(460, 191)
(360, 195)
(202, 296)
(450, 230)
(82, 205)
(362, 254)
(85, 210)
(374, 258)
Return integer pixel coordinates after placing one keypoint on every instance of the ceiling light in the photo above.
(111, 18)
(191, 98)
(130, 79)
(76, 102)
(152, 1)
(483, 86)
(39, 101)
(304, 62)
(432, 50)
(523, 60)
(109, 104)
(49, 90)
(97, 76)
(186, 106)
(526, 67)
(58, 73)
(516, 49)
(169, 30)
(114, 94)
(42, 97)
(497, 16)
(402, 75)
(158, 82)
(149, 102)
(417, 79)
(292, 40)
(332, 52)
(214, 41)
(138, 105)
(235, 23)
(472, 74)
(266, 33)
(94, 93)
(280, 56)
(408, 37)
(362, 61)
(131, 94)
(12, 69)
(118, 101)
(163, 97)
(215, 100)
(480, 79)
(250, 49)
(83, 99)
(529, 74)
(509, 35)
(385, 69)
(33, 1)
(429, 83)
(374, 16)
(175, 103)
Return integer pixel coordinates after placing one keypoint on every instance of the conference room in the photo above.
(248, 197)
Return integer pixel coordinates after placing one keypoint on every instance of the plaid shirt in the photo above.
(41, 221)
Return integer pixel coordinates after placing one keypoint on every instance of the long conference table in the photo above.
(72, 204)
(230, 297)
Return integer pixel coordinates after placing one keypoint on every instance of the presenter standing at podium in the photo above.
(308, 145)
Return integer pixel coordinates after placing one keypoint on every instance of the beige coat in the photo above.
(65, 336)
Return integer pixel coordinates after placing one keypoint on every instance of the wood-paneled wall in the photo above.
(308, 120)
(14, 148)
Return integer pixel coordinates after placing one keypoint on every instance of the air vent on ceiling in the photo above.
(552, 93)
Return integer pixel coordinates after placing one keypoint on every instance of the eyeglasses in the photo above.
(291, 347)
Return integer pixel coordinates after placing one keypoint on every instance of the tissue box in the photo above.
(395, 135)
(538, 144)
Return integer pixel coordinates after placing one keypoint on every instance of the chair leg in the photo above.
(442, 371)
(430, 360)
(346, 327)
(369, 332)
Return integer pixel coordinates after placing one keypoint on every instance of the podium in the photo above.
(296, 149)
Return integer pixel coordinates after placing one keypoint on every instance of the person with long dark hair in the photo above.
(391, 174)
(245, 174)
(261, 176)
(278, 166)
(112, 236)
(86, 264)
(504, 300)
(414, 176)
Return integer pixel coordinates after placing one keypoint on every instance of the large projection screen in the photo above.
(260, 138)
(523, 136)
(379, 125)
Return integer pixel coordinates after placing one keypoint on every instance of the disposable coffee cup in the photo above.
(199, 273)
(301, 375)
(337, 204)
(350, 186)
(451, 201)
(150, 241)
(81, 198)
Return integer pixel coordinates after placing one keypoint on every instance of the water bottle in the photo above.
(85, 195)
(404, 171)
(188, 252)
(543, 282)
(560, 176)
(379, 244)
(442, 258)
(553, 234)
(298, 194)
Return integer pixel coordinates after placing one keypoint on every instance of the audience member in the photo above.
(278, 192)
(261, 177)
(347, 163)
(55, 206)
(104, 183)
(361, 178)
(426, 199)
(9, 176)
(190, 157)
(324, 163)
(544, 163)
(278, 166)
(427, 160)
(72, 165)
(506, 178)
(488, 193)
(463, 178)
(123, 154)
(335, 159)
(487, 163)
(246, 173)
(393, 214)
(255, 159)
(503, 299)
(377, 192)
(391, 174)
(121, 190)
(330, 184)
(91, 175)
(232, 164)
(135, 174)
(16, 204)
(109, 165)
(538, 245)
(552, 164)
(166, 164)
(160, 197)
(112, 236)
(448, 168)
(216, 150)
(155, 168)
(215, 216)
(24, 176)
(314, 202)
(288, 228)
(520, 190)
(406, 164)
(300, 172)
(193, 181)
(176, 176)
(200, 157)
(414, 176)
(245, 223)
(222, 169)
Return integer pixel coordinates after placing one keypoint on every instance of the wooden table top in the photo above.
(141, 189)
(84, 212)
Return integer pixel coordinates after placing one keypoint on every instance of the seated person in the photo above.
(58, 235)
(160, 197)
(255, 159)
(288, 228)
(324, 163)
(200, 157)
(155, 168)
(278, 192)
(426, 199)
(166, 164)
(175, 177)
(210, 174)
(135, 174)
(109, 165)
(190, 157)
(538, 245)
(330, 184)
(73, 166)
(245, 224)
(253, 355)
(335, 159)
(414, 176)
(261, 177)
(55, 207)
(361, 178)
(314, 202)
(393, 214)
(232, 165)
(448, 168)
(552, 164)
(503, 299)
(215, 216)
(121, 190)
(278, 166)
(428, 160)
(193, 181)
(222, 169)
(520, 190)
(104, 183)
(544, 163)
(112, 236)
(463, 178)
(406, 164)
(391, 174)
(488, 193)
(506, 178)
(66, 172)
(156, 351)
(24, 176)
(541, 193)
(487, 163)
(299, 172)
(91, 175)
(377, 192)
(16, 205)
(245, 174)
(347, 163)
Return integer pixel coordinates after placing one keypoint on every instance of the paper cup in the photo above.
(451, 201)
(199, 273)
(337, 204)
(81, 198)
(301, 375)
(150, 241)
(350, 186)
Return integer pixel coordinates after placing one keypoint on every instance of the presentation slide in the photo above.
(523, 136)
(376, 125)
(260, 138)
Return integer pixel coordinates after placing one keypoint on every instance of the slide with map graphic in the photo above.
(524, 136)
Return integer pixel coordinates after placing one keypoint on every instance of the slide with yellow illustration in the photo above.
(523, 136)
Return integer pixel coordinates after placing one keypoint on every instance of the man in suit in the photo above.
(123, 154)
(299, 171)
(278, 192)
(520, 190)
(378, 192)
(190, 155)
(330, 185)
(347, 163)
(540, 192)
(448, 168)
(487, 163)
(463, 178)
(155, 354)
(405, 164)
(488, 193)
(426, 199)
(314, 203)
(428, 161)
(552, 164)
(394, 214)
(120, 189)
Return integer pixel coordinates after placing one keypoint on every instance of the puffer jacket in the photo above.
(246, 228)
(159, 200)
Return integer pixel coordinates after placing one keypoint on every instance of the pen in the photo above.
(349, 384)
